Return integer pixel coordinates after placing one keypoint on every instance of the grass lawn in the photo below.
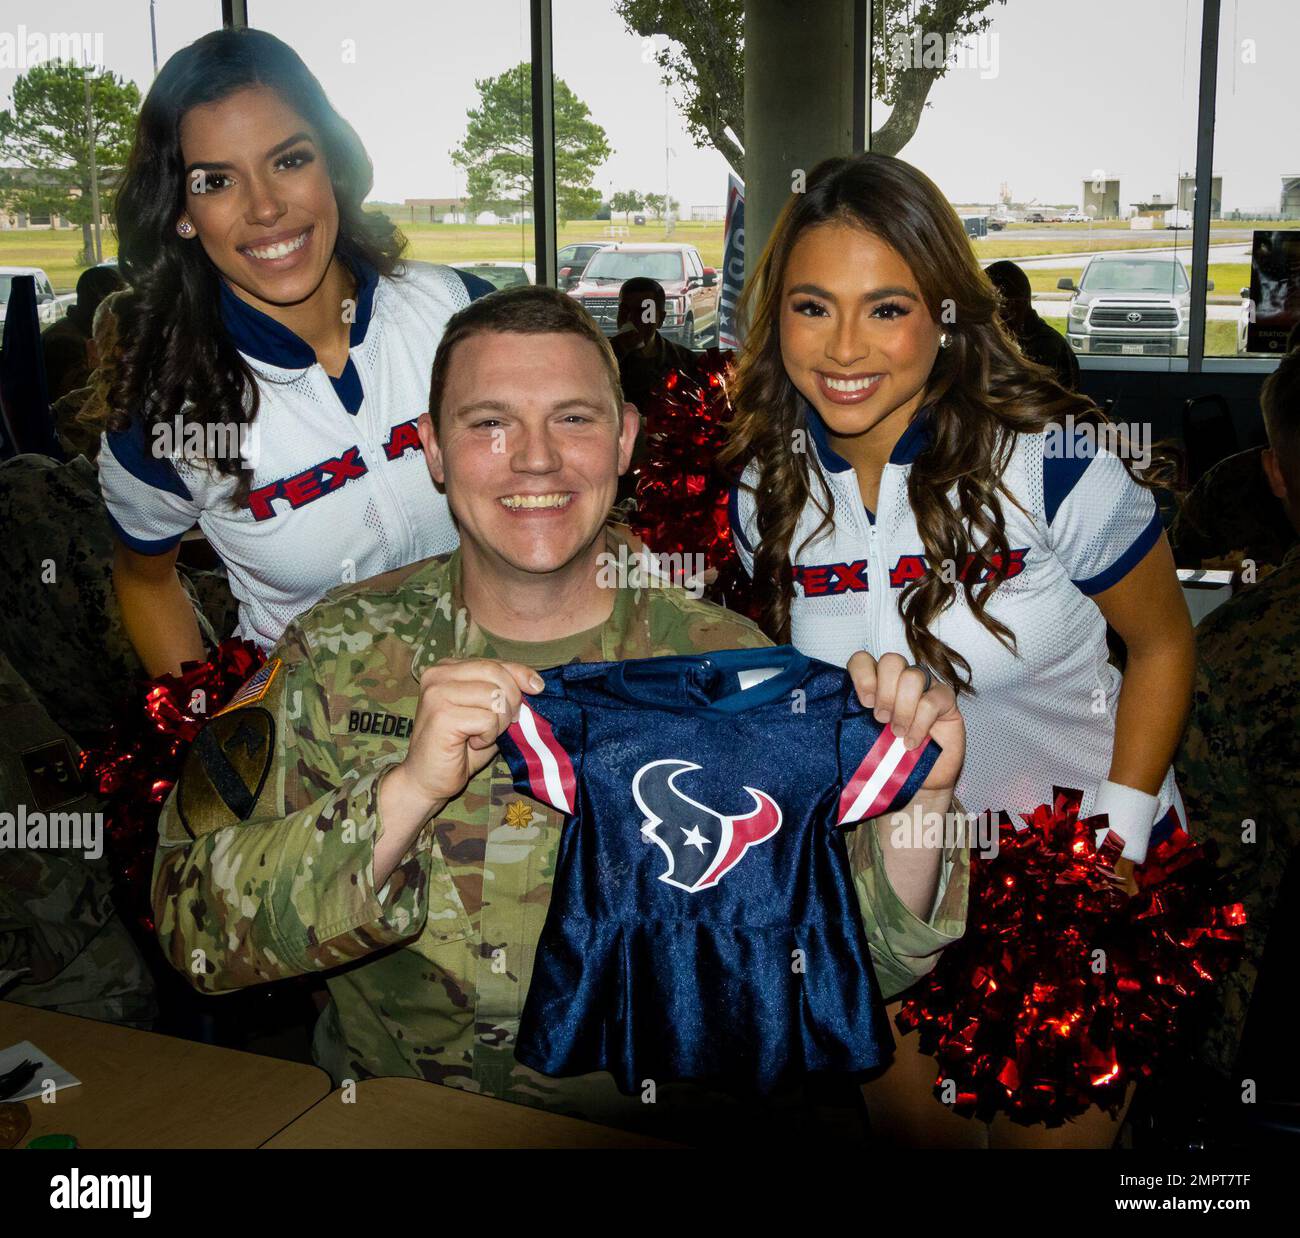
(55, 252)
(1229, 278)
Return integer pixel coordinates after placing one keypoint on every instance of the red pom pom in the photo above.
(681, 496)
(136, 768)
(1064, 990)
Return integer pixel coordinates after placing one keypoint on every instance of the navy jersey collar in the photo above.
(259, 336)
(913, 441)
(665, 683)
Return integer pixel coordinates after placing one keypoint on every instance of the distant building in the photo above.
(437, 210)
(1102, 196)
(11, 218)
(1187, 195)
(1291, 196)
(708, 214)
(1155, 209)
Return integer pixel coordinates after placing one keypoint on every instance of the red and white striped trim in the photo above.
(878, 779)
(550, 772)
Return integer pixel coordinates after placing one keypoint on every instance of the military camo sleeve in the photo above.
(1216, 785)
(265, 862)
(903, 946)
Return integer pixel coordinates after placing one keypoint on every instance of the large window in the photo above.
(47, 51)
(641, 173)
(1255, 192)
(1065, 135)
(441, 96)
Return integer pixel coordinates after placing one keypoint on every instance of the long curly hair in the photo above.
(174, 356)
(981, 393)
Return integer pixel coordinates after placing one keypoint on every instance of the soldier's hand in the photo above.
(897, 695)
(464, 705)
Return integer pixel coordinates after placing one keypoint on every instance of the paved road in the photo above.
(1218, 253)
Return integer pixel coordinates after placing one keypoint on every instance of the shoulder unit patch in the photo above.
(225, 770)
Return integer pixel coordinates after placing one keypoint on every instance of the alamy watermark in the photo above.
(935, 49)
(24, 49)
(1083, 440)
(197, 441)
(52, 831)
(914, 829)
(650, 569)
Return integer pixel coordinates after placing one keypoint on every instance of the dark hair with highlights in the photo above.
(981, 393)
(174, 355)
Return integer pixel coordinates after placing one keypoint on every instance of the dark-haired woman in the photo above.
(273, 354)
(912, 484)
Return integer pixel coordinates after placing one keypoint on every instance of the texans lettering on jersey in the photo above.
(327, 476)
(703, 922)
(1042, 711)
(824, 579)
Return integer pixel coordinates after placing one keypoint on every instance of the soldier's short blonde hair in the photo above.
(529, 310)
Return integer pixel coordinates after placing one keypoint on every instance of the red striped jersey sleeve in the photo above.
(878, 774)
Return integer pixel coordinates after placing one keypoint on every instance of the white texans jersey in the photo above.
(1041, 717)
(340, 490)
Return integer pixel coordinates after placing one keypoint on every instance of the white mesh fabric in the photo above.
(1100, 518)
(1043, 715)
(388, 516)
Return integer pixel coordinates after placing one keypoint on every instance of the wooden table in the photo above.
(411, 1113)
(143, 1090)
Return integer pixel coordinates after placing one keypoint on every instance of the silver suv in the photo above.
(49, 307)
(1130, 305)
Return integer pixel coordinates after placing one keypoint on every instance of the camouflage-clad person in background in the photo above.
(1240, 756)
(1230, 515)
(61, 622)
(62, 945)
(350, 807)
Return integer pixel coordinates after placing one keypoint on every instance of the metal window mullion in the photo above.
(861, 75)
(1203, 204)
(543, 142)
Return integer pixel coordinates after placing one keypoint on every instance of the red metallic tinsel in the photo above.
(134, 770)
(681, 496)
(1064, 990)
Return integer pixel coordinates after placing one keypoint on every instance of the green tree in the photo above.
(497, 150)
(705, 62)
(49, 136)
(627, 201)
(659, 204)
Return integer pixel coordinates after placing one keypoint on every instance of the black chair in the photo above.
(1209, 434)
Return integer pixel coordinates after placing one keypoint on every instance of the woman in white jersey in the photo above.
(911, 484)
(273, 357)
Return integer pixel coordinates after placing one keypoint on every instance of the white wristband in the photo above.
(1132, 815)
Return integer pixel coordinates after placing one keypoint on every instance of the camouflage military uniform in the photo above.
(62, 946)
(76, 437)
(442, 955)
(61, 622)
(1231, 514)
(1240, 760)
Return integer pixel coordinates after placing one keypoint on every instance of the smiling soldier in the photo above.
(352, 806)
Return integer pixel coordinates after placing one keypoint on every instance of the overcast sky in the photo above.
(1068, 86)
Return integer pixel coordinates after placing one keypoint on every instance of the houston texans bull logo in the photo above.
(702, 845)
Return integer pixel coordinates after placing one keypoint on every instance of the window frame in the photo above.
(235, 13)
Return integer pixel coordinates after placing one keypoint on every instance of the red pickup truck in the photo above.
(690, 288)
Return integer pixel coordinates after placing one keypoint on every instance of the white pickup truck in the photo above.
(49, 307)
